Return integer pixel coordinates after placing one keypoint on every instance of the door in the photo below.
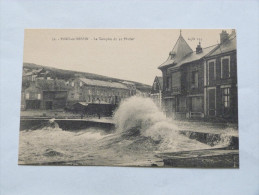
(212, 102)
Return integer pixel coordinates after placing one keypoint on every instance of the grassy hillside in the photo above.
(67, 74)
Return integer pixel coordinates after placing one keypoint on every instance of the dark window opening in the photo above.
(211, 72)
(225, 66)
(195, 79)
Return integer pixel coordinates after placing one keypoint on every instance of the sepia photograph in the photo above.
(129, 97)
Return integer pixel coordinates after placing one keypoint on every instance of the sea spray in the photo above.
(143, 114)
(140, 117)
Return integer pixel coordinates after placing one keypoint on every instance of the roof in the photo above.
(227, 46)
(195, 56)
(108, 84)
(128, 83)
(181, 49)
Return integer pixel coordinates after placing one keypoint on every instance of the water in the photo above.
(142, 131)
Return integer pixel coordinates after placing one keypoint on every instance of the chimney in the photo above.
(199, 48)
(224, 36)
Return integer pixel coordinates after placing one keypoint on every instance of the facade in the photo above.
(220, 81)
(187, 89)
(98, 91)
(45, 95)
(156, 91)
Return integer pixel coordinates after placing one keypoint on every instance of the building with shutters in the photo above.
(220, 80)
(186, 79)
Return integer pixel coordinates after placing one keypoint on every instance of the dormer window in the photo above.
(172, 54)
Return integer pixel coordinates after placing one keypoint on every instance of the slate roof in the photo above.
(227, 46)
(100, 83)
(193, 56)
(186, 55)
(181, 49)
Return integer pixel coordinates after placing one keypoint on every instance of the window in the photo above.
(72, 95)
(176, 82)
(225, 97)
(73, 84)
(39, 96)
(176, 79)
(27, 96)
(81, 83)
(212, 71)
(195, 79)
(225, 67)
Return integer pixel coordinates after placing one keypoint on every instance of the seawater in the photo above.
(142, 131)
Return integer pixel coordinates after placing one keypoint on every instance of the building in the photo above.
(185, 79)
(220, 80)
(38, 74)
(45, 95)
(98, 91)
(156, 91)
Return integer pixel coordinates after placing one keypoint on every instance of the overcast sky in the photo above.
(107, 53)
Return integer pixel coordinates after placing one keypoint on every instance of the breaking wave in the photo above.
(138, 116)
(142, 114)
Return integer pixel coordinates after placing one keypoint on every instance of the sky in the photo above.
(130, 54)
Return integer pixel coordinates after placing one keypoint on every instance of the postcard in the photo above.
(130, 97)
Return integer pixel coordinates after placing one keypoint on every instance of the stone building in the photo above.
(97, 91)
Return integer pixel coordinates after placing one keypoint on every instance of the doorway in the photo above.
(212, 102)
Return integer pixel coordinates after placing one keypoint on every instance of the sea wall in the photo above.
(65, 124)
